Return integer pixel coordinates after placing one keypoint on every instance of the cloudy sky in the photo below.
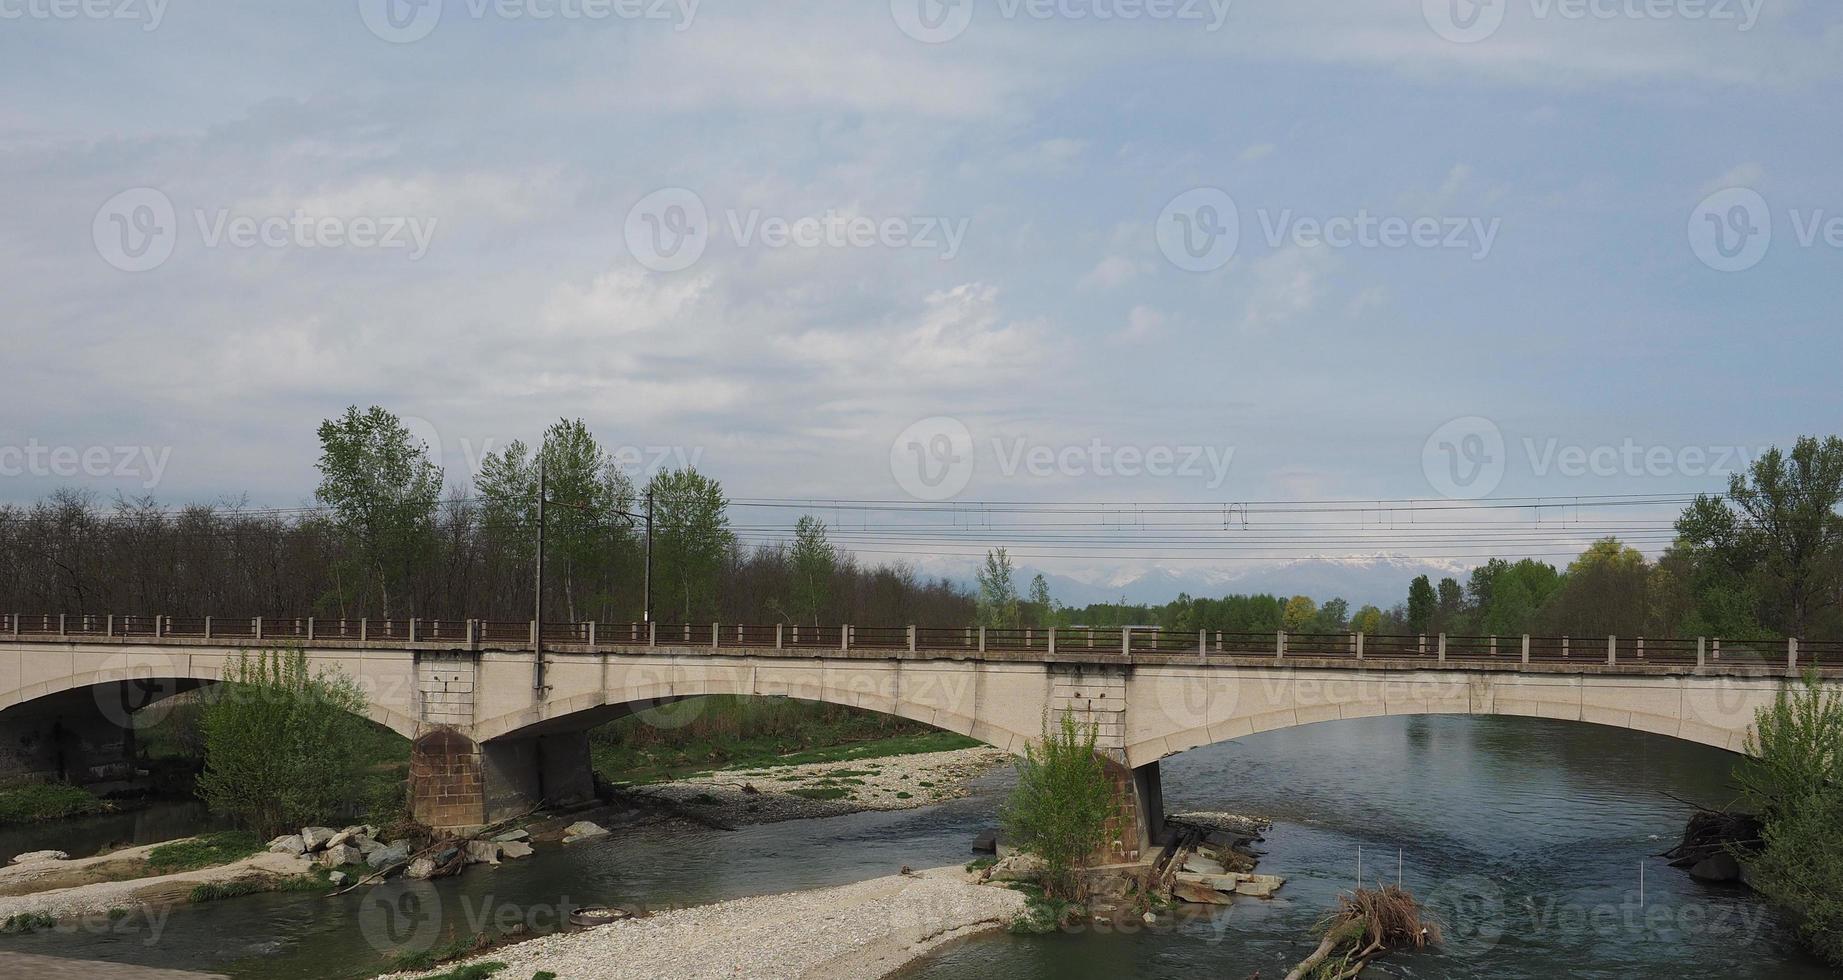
(1013, 250)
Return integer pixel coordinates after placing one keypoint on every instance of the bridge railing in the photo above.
(1076, 640)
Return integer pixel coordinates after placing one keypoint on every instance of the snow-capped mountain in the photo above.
(1380, 580)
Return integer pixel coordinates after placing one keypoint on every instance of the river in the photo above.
(1528, 837)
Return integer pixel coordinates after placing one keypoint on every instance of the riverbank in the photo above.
(851, 932)
(120, 880)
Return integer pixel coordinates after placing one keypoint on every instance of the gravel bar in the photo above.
(851, 932)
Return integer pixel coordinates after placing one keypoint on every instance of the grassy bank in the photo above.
(726, 732)
(33, 802)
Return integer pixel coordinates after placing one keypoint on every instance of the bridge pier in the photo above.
(458, 784)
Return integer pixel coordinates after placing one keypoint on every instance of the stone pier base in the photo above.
(1138, 824)
(459, 785)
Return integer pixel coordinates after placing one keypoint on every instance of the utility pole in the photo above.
(537, 630)
(646, 613)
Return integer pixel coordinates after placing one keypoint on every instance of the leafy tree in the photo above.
(691, 538)
(1060, 807)
(1793, 778)
(383, 491)
(1450, 607)
(281, 745)
(585, 533)
(1300, 613)
(1333, 616)
(998, 601)
(1368, 620)
(814, 561)
(1779, 528)
(1042, 607)
(1422, 604)
(1603, 593)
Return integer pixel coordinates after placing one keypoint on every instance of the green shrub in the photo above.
(1793, 778)
(281, 745)
(26, 922)
(213, 891)
(1060, 807)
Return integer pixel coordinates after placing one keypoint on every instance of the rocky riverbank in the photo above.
(61, 889)
(769, 794)
(852, 932)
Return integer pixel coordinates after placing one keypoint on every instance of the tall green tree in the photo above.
(813, 563)
(1299, 615)
(587, 538)
(1422, 604)
(691, 539)
(1793, 779)
(1779, 528)
(998, 600)
(280, 743)
(383, 491)
(1042, 607)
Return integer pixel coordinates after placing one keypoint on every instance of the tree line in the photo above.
(1762, 561)
(389, 537)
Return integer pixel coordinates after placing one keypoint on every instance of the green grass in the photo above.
(27, 922)
(821, 792)
(217, 891)
(543, 975)
(33, 802)
(207, 851)
(755, 733)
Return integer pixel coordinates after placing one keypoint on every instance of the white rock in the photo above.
(338, 878)
(288, 844)
(333, 857)
(583, 830)
(482, 852)
(511, 836)
(422, 867)
(513, 850)
(33, 857)
(316, 838)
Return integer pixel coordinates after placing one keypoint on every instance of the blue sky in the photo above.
(1586, 144)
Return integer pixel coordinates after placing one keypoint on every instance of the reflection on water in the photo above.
(1527, 835)
(85, 836)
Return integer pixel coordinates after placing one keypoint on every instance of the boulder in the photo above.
(367, 846)
(512, 850)
(986, 842)
(316, 838)
(389, 854)
(1198, 864)
(1017, 867)
(1260, 886)
(337, 878)
(422, 868)
(583, 830)
(1222, 883)
(288, 844)
(33, 857)
(482, 852)
(1717, 867)
(513, 836)
(1195, 894)
(343, 854)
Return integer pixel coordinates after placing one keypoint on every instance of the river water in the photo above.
(1528, 838)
